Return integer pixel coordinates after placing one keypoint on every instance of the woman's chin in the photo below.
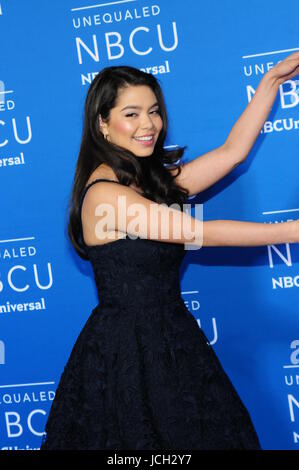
(143, 153)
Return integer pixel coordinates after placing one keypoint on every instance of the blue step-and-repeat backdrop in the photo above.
(209, 57)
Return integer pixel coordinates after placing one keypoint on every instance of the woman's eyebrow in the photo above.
(139, 107)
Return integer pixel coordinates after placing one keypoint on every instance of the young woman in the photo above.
(141, 374)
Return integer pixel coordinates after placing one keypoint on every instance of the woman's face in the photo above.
(134, 122)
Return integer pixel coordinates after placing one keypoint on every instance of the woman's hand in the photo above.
(286, 69)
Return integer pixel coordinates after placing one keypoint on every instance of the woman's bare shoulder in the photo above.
(106, 172)
(102, 171)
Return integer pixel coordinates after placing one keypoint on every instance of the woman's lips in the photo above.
(145, 140)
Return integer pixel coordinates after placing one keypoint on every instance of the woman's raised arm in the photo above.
(205, 170)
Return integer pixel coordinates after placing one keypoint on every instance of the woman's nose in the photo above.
(146, 122)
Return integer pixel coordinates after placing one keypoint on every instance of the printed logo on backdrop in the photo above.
(280, 257)
(292, 382)
(25, 278)
(15, 130)
(25, 281)
(122, 30)
(193, 305)
(24, 409)
(254, 66)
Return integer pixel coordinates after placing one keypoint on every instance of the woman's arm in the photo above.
(202, 172)
(247, 128)
(237, 233)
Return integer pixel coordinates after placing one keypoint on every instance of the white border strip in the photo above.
(190, 292)
(270, 53)
(279, 212)
(27, 385)
(17, 239)
(102, 5)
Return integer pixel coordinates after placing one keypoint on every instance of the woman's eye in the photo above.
(156, 111)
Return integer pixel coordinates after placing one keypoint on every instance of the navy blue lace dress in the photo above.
(141, 374)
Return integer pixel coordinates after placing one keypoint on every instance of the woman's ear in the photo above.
(103, 127)
(101, 123)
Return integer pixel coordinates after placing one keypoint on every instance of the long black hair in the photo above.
(149, 173)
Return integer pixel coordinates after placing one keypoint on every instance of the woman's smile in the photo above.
(147, 140)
